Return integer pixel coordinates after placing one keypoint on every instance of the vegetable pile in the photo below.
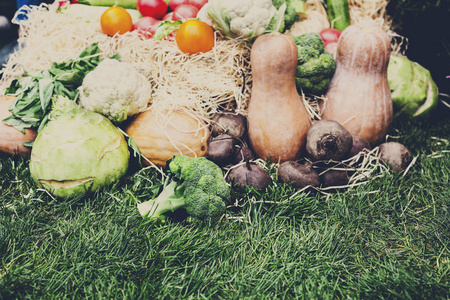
(214, 94)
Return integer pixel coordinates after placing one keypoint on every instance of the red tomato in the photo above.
(152, 8)
(195, 36)
(331, 47)
(330, 35)
(174, 3)
(197, 3)
(146, 26)
(186, 11)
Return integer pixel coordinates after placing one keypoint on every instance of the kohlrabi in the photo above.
(77, 152)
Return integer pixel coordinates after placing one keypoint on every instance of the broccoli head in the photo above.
(315, 65)
(195, 184)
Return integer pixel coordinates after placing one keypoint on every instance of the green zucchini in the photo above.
(338, 13)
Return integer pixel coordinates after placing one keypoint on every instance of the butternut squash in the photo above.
(358, 96)
(11, 139)
(160, 137)
(277, 118)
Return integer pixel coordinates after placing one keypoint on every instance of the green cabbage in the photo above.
(414, 93)
(77, 152)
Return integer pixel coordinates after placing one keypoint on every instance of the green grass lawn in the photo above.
(388, 239)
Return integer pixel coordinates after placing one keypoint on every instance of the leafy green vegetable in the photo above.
(315, 66)
(34, 91)
(165, 28)
(293, 10)
(414, 93)
(78, 151)
(196, 184)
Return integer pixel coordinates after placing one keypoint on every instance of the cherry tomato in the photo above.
(197, 3)
(116, 19)
(185, 11)
(152, 8)
(330, 35)
(195, 36)
(146, 26)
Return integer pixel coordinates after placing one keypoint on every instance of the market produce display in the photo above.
(222, 149)
(238, 87)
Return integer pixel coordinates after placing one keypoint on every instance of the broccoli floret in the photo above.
(315, 66)
(293, 9)
(195, 184)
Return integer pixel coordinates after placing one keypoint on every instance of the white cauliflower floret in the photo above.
(253, 23)
(243, 18)
(116, 90)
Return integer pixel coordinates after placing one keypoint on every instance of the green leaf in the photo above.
(276, 24)
(298, 5)
(16, 123)
(165, 28)
(132, 145)
(34, 91)
(45, 92)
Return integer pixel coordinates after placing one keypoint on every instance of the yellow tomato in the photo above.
(116, 19)
(195, 36)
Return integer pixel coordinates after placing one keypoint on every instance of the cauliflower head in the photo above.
(243, 18)
(116, 90)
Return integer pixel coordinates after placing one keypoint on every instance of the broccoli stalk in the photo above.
(167, 201)
(195, 184)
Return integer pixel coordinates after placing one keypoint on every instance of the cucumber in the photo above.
(338, 13)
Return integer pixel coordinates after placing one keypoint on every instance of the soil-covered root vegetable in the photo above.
(249, 174)
(359, 144)
(334, 178)
(11, 139)
(222, 149)
(242, 153)
(77, 152)
(230, 123)
(300, 175)
(328, 140)
(395, 155)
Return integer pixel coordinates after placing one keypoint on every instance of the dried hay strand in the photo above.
(199, 84)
